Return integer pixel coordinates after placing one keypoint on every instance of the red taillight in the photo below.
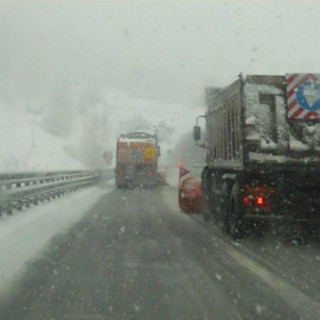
(257, 196)
(260, 201)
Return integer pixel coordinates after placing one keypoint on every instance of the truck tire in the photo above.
(206, 208)
(213, 201)
(207, 203)
(118, 184)
(235, 216)
(224, 207)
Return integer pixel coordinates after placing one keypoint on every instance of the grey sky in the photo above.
(166, 50)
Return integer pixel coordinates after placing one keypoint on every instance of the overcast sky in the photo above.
(164, 50)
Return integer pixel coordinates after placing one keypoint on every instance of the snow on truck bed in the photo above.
(266, 122)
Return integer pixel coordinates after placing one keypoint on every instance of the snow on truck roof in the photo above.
(137, 135)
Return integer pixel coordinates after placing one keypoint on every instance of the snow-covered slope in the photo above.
(26, 146)
(53, 136)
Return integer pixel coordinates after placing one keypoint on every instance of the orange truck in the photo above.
(137, 159)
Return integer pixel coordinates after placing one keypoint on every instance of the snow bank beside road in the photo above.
(23, 235)
(27, 147)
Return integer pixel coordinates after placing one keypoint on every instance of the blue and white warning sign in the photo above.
(137, 154)
(303, 96)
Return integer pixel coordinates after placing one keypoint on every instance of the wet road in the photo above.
(136, 256)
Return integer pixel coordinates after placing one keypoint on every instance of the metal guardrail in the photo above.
(18, 190)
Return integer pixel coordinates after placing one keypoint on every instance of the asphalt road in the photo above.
(136, 256)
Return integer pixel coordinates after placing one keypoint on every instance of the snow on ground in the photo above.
(27, 147)
(25, 234)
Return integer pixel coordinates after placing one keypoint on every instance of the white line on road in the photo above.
(303, 305)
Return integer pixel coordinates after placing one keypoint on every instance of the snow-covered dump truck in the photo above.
(137, 159)
(262, 148)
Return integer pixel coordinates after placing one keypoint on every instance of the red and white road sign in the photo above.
(107, 156)
(183, 174)
(303, 96)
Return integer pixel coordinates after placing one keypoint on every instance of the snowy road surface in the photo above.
(134, 255)
(23, 235)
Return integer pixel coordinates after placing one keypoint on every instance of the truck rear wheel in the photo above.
(224, 207)
(206, 190)
(119, 185)
(206, 208)
(235, 217)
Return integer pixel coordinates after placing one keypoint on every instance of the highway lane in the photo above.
(136, 256)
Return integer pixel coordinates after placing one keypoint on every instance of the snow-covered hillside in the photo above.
(73, 132)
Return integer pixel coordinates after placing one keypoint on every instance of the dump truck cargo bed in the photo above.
(249, 124)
